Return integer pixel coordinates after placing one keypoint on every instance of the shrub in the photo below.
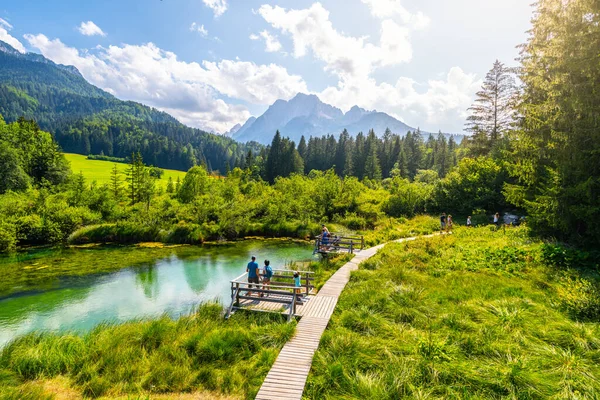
(30, 229)
(121, 232)
(8, 237)
(185, 232)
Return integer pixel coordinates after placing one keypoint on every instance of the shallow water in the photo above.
(173, 285)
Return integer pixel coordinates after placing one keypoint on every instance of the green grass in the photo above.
(201, 352)
(388, 229)
(474, 315)
(99, 171)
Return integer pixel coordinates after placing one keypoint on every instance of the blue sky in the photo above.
(213, 63)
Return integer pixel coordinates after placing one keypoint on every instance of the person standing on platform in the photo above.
(252, 270)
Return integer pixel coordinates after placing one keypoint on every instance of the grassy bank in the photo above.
(100, 171)
(201, 353)
(473, 315)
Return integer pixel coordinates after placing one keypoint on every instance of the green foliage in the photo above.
(476, 314)
(200, 352)
(555, 152)
(473, 184)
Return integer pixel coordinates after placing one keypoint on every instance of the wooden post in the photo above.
(351, 247)
(237, 294)
(306, 279)
(362, 242)
(292, 306)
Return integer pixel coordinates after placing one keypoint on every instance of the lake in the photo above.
(173, 284)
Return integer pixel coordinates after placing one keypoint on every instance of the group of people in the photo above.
(446, 222)
(262, 278)
(327, 239)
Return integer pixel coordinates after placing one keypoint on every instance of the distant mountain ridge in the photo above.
(85, 119)
(306, 115)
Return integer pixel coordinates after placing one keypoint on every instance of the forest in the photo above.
(522, 155)
(474, 312)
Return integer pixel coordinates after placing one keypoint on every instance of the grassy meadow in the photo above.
(474, 315)
(99, 170)
(197, 356)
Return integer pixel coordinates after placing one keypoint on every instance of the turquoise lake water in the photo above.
(173, 285)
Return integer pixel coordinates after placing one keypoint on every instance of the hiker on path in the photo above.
(267, 275)
(252, 270)
(469, 223)
(449, 223)
(297, 286)
(497, 220)
(443, 222)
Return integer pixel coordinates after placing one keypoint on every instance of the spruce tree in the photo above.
(170, 186)
(341, 153)
(115, 182)
(493, 113)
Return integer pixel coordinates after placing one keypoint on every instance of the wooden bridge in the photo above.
(287, 377)
(281, 295)
(338, 243)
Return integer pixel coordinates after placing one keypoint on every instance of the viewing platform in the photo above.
(280, 296)
(337, 243)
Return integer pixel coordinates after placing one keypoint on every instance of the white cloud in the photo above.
(393, 8)
(442, 105)
(218, 6)
(346, 56)
(90, 29)
(199, 28)
(189, 91)
(271, 42)
(6, 24)
(7, 38)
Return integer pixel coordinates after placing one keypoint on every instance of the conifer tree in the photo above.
(493, 113)
(170, 185)
(115, 182)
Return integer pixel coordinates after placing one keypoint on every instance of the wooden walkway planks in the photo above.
(287, 377)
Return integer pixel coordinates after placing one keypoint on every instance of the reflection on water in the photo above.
(172, 285)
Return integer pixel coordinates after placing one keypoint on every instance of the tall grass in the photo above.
(474, 315)
(200, 352)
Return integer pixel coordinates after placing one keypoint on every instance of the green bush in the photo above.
(185, 232)
(121, 232)
(8, 237)
(30, 229)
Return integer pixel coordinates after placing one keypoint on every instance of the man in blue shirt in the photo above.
(252, 270)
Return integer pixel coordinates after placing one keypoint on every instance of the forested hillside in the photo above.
(87, 120)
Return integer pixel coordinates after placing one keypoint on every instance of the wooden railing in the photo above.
(338, 243)
(279, 290)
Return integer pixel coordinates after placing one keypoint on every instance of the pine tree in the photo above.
(341, 153)
(273, 165)
(177, 185)
(302, 148)
(556, 154)
(493, 113)
(372, 166)
(249, 160)
(135, 177)
(115, 182)
(79, 188)
(170, 185)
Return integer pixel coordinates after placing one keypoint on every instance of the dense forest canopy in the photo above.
(533, 147)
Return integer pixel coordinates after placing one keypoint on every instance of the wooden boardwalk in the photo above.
(288, 375)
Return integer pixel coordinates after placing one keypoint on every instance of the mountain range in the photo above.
(306, 115)
(85, 119)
